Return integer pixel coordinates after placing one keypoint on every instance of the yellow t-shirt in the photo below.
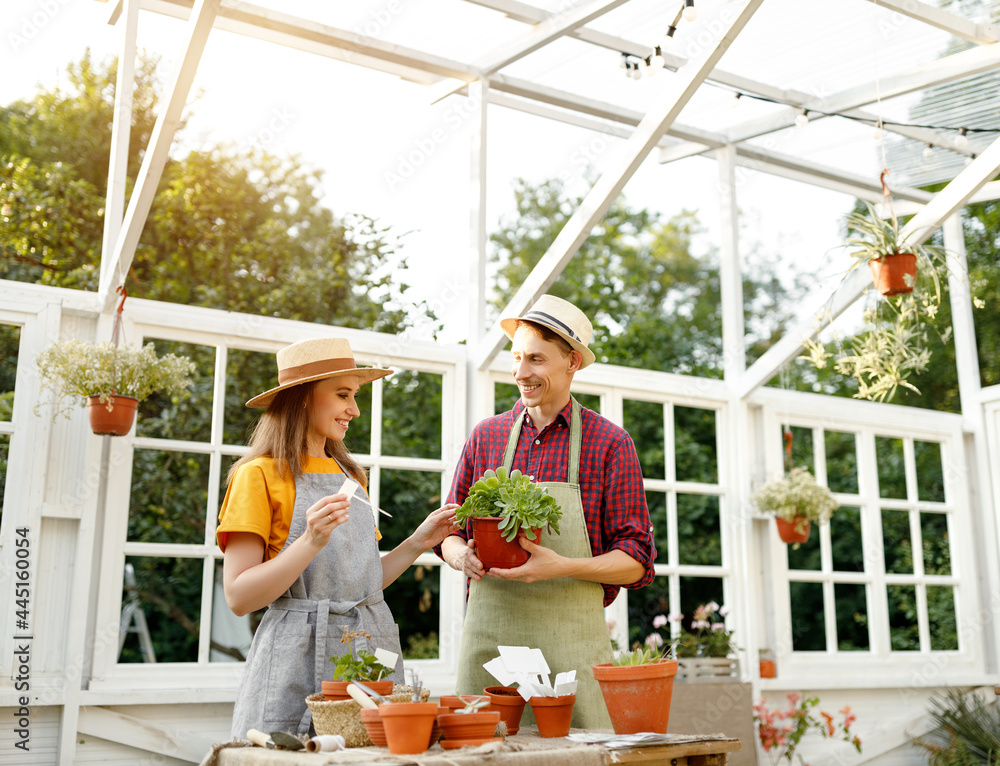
(261, 501)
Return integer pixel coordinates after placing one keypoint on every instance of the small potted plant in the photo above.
(796, 500)
(502, 507)
(360, 665)
(508, 701)
(704, 646)
(637, 687)
(110, 379)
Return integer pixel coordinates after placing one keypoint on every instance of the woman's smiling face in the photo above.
(331, 409)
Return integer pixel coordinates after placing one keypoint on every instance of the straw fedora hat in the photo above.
(310, 360)
(562, 318)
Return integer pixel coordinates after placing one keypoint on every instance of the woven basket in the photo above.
(344, 717)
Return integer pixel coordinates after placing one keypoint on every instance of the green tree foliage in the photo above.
(654, 304)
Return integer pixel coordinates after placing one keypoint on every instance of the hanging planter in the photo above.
(894, 274)
(795, 530)
(113, 416)
(796, 500)
(637, 696)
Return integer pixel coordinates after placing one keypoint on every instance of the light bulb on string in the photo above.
(961, 140)
(802, 118)
(928, 152)
(690, 12)
(668, 39)
(878, 132)
(657, 62)
(650, 68)
(736, 100)
(623, 63)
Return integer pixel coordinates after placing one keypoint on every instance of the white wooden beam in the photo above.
(982, 33)
(733, 17)
(543, 33)
(954, 67)
(173, 742)
(730, 274)
(944, 204)
(156, 153)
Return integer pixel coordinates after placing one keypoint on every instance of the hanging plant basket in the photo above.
(894, 274)
(794, 531)
(113, 417)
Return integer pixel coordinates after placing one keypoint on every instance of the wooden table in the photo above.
(525, 749)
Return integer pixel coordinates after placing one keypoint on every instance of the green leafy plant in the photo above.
(363, 667)
(873, 237)
(76, 368)
(515, 499)
(642, 655)
(969, 731)
(796, 498)
(707, 635)
(780, 731)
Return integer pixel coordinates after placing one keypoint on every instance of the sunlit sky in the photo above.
(387, 151)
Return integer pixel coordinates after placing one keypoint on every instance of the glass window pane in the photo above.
(359, 435)
(698, 528)
(169, 497)
(808, 621)
(696, 591)
(590, 401)
(4, 456)
(930, 474)
(411, 414)
(188, 416)
(645, 604)
(248, 373)
(231, 635)
(10, 341)
(852, 617)
(846, 541)
(657, 504)
(409, 496)
(806, 556)
(891, 471)
(934, 538)
(161, 605)
(696, 455)
(896, 542)
(415, 602)
(941, 613)
(505, 396)
(904, 635)
(841, 461)
(644, 423)
(800, 448)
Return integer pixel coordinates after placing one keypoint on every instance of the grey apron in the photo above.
(562, 617)
(291, 650)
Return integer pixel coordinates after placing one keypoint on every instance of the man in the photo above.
(555, 601)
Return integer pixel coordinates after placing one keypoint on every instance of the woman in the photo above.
(293, 543)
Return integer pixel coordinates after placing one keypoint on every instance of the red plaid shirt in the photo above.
(614, 501)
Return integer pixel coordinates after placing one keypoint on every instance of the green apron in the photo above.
(563, 617)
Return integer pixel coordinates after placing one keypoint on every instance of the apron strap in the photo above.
(575, 442)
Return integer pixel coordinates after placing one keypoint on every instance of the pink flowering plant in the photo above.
(780, 731)
(707, 635)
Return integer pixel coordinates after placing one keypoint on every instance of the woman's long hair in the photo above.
(280, 434)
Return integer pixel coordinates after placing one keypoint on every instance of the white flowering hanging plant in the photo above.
(796, 498)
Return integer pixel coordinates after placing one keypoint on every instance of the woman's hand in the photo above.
(435, 528)
(326, 515)
(460, 555)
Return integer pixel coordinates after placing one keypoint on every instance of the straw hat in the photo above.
(562, 318)
(310, 360)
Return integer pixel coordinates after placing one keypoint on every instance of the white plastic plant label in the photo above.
(349, 488)
(386, 658)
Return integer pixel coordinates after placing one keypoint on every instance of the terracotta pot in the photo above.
(789, 531)
(768, 669)
(510, 705)
(469, 725)
(553, 714)
(491, 547)
(890, 271)
(457, 701)
(372, 719)
(408, 726)
(638, 696)
(118, 422)
(336, 691)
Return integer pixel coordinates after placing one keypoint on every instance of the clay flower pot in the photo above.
(466, 726)
(510, 705)
(890, 271)
(408, 726)
(491, 547)
(336, 691)
(637, 696)
(457, 701)
(795, 531)
(372, 719)
(553, 714)
(117, 422)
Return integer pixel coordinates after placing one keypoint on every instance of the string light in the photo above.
(736, 101)
(802, 118)
(658, 62)
(878, 132)
(668, 38)
(961, 140)
(690, 12)
(928, 151)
